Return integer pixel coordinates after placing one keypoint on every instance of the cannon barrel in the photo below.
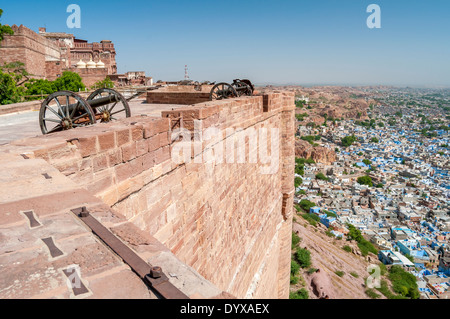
(102, 101)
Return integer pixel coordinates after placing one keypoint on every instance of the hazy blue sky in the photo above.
(283, 41)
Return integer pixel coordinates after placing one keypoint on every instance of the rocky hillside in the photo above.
(335, 103)
(340, 274)
(323, 155)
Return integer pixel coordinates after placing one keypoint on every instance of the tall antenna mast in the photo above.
(186, 75)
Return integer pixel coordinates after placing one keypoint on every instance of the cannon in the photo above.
(65, 110)
(238, 88)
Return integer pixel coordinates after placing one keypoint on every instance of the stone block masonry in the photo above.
(184, 95)
(176, 98)
(226, 220)
(30, 48)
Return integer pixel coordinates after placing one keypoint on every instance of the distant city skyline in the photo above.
(283, 42)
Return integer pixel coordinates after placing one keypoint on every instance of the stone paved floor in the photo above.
(30, 215)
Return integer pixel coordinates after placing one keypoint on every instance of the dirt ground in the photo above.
(328, 256)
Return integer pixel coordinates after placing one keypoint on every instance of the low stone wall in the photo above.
(179, 95)
(229, 221)
(176, 98)
(20, 107)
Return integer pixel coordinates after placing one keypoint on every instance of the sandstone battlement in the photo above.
(30, 48)
(23, 30)
(27, 36)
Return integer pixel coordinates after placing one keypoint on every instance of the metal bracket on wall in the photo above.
(151, 275)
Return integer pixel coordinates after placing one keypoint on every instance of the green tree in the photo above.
(311, 139)
(301, 117)
(365, 180)
(364, 245)
(300, 104)
(322, 177)
(106, 83)
(69, 81)
(303, 257)
(299, 167)
(17, 71)
(312, 219)
(300, 294)
(403, 282)
(4, 29)
(295, 267)
(354, 233)
(374, 140)
(348, 140)
(306, 205)
(295, 239)
(301, 192)
(9, 92)
(39, 87)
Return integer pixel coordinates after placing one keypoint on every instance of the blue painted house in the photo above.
(315, 210)
(324, 219)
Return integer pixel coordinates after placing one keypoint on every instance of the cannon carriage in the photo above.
(65, 110)
(236, 89)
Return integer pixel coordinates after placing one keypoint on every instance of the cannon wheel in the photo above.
(55, 114)
(222, 91)
(243, 88)
(251, 86)
(112, 111)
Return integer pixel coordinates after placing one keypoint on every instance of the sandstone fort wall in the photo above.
(228, 221)
(30, 48)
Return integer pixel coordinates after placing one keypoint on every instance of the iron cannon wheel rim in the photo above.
(110, 111)
(60, 116)
(220, 88)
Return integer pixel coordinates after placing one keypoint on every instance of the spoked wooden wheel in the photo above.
(115, 108)
(222, 91)
(243, 89)
(64, 110)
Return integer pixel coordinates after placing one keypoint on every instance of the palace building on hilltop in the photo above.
(47, 55)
